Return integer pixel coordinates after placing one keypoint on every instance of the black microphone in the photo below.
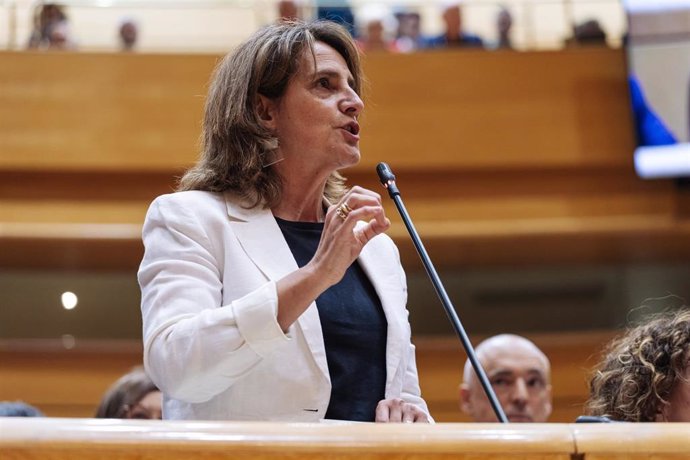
(388, 180)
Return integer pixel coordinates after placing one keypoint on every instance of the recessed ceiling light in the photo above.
(69, 300)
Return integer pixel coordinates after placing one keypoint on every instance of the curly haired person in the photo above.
(645, 374)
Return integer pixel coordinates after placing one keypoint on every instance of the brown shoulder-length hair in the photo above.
(125, 393)
(640, 369)
(236, 149)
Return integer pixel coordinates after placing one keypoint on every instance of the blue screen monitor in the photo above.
(658, 47)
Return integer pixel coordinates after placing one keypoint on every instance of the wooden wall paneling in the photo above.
(70, 382)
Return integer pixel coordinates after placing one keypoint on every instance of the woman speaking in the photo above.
(269, 291)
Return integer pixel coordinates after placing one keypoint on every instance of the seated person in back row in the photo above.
(645, 374)
(18, 409)
(520, 375)
(454, 35)
(133, 396)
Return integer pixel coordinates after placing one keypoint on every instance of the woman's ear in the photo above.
(266, 108)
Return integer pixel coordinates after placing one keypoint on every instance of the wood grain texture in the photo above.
(502, 158)
(58, 439)
(137, 112)
(109, 439)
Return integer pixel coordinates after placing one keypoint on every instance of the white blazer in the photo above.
(212, 342)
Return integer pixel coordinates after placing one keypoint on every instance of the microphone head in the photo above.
(385, 173)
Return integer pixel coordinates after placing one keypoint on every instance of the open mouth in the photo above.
(352, 128)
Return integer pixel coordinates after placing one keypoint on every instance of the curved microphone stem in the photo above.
(388, 180)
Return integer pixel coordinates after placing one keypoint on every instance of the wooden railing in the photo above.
(502, 158)
(77, 439)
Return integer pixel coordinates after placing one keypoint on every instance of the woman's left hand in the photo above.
(342, 239)
(395, 410)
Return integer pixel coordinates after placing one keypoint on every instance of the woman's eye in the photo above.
(324, 83)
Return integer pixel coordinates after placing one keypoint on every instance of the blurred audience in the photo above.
(376, 25)
(50, 28)
(504, 23)
(409, 35)
(645, 374)
(520, 374)
(128, 33)
(587, 33)
(337, 11)
(18, 409)
(288, 10)
(454, 35)
(133, 395)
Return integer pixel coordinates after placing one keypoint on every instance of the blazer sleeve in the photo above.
(411, 392)
(195, 347)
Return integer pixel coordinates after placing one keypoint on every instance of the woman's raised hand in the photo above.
(349, 225)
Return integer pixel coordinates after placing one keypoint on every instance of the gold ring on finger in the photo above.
(343, 210)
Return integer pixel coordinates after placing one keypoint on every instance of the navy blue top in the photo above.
(461, 41)
(354, 331)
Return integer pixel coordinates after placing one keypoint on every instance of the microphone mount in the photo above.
(388, 180)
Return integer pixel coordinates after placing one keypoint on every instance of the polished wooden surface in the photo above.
(54, 438)
(502, 158)
(84, 112)
(425, 111)
(112, 439)
(619, 441)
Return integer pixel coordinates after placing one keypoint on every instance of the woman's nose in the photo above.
(352, 103)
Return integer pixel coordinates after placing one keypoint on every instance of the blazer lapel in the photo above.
(259, 234)
(386, 281)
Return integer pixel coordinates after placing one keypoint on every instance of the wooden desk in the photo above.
(618, 441)
(75, 439)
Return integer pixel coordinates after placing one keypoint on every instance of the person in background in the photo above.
(504, 23)
(338, 11)
(409, 36)
(18, 409)
(128, 33)
(644, 375)
(520, 375)
(376, 23)
(133, 396)
(50, 28)
(454, 36)
(587, 33)
(288, 10)
(269, 289)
